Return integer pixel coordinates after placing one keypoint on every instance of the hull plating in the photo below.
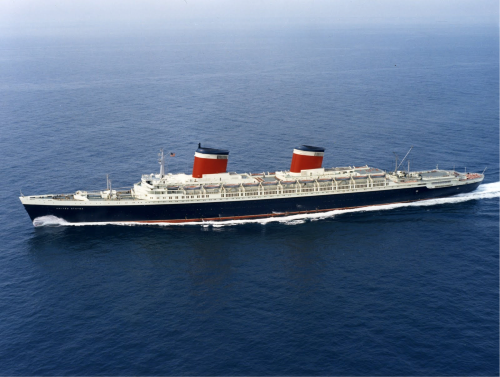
(240, 209)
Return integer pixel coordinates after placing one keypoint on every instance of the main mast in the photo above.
(161, 161)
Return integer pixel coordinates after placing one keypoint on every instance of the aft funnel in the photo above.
(209, 161)
(307, 157)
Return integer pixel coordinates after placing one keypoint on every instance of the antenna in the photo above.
(108, 182)
(396, 166)
(162, 163)
(407, 153)
(484, 170)
(408, 166)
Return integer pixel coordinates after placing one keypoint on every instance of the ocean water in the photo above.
(395, 290)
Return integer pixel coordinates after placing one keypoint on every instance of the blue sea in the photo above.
(396, 290)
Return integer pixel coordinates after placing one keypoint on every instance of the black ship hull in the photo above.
(239, 209)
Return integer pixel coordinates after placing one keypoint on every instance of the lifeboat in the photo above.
(269, 183)
(306, 181)
(288, 182)
(250, 184)
(342, 178)
(173, 188)
(359, 176)
(192, 187)
(325, 180)
(211, 187)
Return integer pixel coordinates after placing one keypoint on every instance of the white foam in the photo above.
(49, 221)
(485, 191)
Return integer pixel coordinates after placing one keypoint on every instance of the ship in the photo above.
(211, 193)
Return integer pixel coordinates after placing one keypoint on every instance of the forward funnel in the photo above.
(209, 161)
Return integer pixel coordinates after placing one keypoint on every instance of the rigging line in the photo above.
(404, 158)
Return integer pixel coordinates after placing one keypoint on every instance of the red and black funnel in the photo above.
(209, 161)
(307, 157)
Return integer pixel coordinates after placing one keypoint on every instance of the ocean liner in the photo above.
(211, 193)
